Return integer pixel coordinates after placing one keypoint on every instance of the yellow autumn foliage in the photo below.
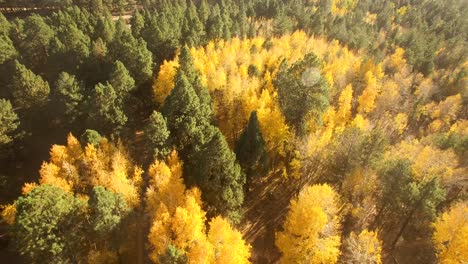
(311, 230)
(363, 248)
(451, 231)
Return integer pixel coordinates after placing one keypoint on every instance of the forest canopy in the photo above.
(233, 131)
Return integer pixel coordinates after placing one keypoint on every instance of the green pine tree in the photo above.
(220, 178)
(9, 121)
(27, 88)
(250, 149)
(49, 225)
(157, 135)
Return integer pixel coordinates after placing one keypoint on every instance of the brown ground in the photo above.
(266, 206)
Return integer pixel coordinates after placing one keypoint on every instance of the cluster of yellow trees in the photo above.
(177, 219)
(363, 95)
(239, 75)
(175, 214)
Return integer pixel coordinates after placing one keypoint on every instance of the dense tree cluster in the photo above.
(191, 113)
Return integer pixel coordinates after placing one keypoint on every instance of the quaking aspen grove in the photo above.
(233, 131)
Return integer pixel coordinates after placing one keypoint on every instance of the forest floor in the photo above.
(266, 205)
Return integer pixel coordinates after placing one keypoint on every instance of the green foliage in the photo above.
(34, 41)
(7, 50)
(121, 80)
(193, 76)
(352, 149)
(9, 121)
(69, 94)
(107, 210)
(302, 91)
(250, 149)
(220, 178)
(28, 89)
(137, 23)
(453, 140)
(107, 113)
(70, 48)
(49, 226)
(173, 255)
(91, 137)
(157, 135)
(253, 71)
(186, 119)
(133, 53)
(215, 25)
(406, 202)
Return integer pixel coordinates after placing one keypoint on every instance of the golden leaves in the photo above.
(311, 230)
(451, 231)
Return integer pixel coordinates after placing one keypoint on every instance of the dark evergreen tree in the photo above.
(137, 23)
(105, 28)
(69, 95)
(173, 255)
(204, 11)
(157, 135)
(7, 50)
(69, 50)
(405, 202)
(9, 121)
(193, 76)
(106, 111)
(220, 178)
(27, 88)
(302, 91)
(250, 149)
(215, 24)
(122, 81)
(133, 53)
(107, 211)
(186, 119)
(34, 42)
(49, 225)
(90, 137)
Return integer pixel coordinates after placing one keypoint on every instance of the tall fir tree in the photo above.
(220, 178)
(27, 88)
(250, 149)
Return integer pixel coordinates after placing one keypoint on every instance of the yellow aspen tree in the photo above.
(108, 165)
(344, 106)
(311, 230)
(8, 213)
(62, 169)
(363, 248)
(367, 98)
(444, 113)
(427, 160)
(165, 187)
(27, 187)
(272, 124)
(228, 245)
(401, 122)
(188, 224)
(359, 189)
(451, 231)
(389, 99)
(159, 236)
(201, 252)
(397, 60)
(49, 174)
(360, 122)
(164, 82)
